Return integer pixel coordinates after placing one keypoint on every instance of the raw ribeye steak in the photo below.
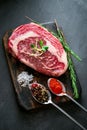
(37, 48)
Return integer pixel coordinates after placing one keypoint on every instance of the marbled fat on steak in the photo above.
(26, 42)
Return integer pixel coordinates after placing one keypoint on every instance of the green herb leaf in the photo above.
(45, 48)
(32, 45)
(41, 43)
(72, 52)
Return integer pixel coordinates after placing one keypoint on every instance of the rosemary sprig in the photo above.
(72, 77)
(70, 63)
(60, 36)
(65, 45)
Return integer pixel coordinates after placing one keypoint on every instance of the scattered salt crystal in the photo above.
(24, 78)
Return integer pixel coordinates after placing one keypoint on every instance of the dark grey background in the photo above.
(72, 16)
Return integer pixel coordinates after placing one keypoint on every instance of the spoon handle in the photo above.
(70, 117)
(76, 102)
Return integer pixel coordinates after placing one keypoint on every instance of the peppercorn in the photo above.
(40, 93)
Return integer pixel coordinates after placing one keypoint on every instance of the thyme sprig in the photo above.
(60, 36)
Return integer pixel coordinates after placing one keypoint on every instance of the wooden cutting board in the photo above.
(23, 93)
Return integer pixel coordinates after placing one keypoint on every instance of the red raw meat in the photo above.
(52, 62)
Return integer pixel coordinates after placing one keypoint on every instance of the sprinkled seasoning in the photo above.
(39, 92)
(55, 86)
(24, 79)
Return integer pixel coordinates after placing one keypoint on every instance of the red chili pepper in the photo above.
(55, 86)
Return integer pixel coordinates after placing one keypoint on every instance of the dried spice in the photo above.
(39, 93)
(55, 86)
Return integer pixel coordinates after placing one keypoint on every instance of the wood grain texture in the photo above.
(23, 93)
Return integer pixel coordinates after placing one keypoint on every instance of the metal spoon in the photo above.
(63, 93)
(49, 101)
